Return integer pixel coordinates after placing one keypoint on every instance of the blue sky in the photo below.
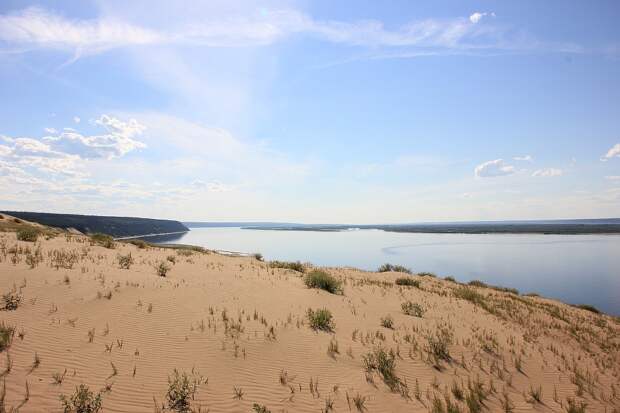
(362, 112)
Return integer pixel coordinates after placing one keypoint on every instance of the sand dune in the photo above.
(234, 322)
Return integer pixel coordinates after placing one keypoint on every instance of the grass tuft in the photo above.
(324, 281)
(412, 309)
(321, 319)
(289, 265)
(82, 401)
(28, 234)
(387, 267)
(408, 281)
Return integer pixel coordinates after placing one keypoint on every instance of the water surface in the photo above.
(572, 268)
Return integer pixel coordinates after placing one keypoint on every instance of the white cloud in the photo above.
(525, 158)
(614, 151)
(50, 130)
(76, 119)
(477, 16)
(548, 172)
(116, 143)
(494, 168)
(613, 177)
(38, 28)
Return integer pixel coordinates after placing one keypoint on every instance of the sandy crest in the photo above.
(152, 325)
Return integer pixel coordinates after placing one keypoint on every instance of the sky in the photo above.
(311, 111)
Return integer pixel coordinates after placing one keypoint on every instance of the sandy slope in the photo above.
(569, 352)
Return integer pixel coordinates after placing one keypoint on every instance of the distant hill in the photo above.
(114, 226)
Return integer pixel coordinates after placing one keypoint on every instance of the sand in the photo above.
(146, 326)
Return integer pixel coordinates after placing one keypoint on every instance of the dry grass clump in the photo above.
(387, 267)
(438, 344)
(412, 309)
(408, 281)
(259, 408)
(124, 261)
(28, 234)
(64, 259)
(387, 321)
(588, 307)
(289, 265)
(82, 401)
(6, 336)
(11, 300)
(321, 319)
(384, 363)
(324, 281)
(181, 390)
(139, 243)
(103, 240)
(162, 269)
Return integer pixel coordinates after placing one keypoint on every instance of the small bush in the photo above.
(384, 363)
(124, 261)
(438, 344)
(258, 256)
(6, 336)
(289, 265)
(408, 281)
(449, 278)
(324, 281)
(321, 319)
(11, 300)
(103, 240)
(412, 309)
(426, 274)
(162, 269)
(478, 283)
(172, 259)
(575, 406)
(258, 408)
(387, 267)
(139, 243)
(387, 321)
(180, 392)
(589, 308)
(82, 401)
(28, 234)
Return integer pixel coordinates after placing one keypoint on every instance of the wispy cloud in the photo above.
(494, 168)
(37, 28)
(525, 158)
(613, 152)
(548, 172)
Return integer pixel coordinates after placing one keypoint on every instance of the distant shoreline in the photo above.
(149, 235)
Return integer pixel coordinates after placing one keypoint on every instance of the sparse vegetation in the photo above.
(412, 309)
(82, 401)
(6, 336)
(102, 240)
(289, 265)
(408, 281)
(125, 261)
(589, 308)
(387, 321)
(258, 256)
(162, 269)
(321, 319)
(11, 300)
(28, 234)
(324, 281)
(384, 363)
(387, 267)
(181, 390)
(259, 408)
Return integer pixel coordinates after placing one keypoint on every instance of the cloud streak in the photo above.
(492, 169)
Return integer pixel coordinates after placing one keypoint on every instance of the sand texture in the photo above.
(239, 329)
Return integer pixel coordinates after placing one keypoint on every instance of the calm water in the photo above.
(572, 268)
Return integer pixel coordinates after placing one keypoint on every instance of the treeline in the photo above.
(114, 226)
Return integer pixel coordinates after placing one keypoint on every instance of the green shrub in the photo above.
(321, 319)
(258, 256)
(28, 234)
(449, 278)
(258, 408)
(289, 265)
(384, 363)
(82, 401)
(103, 240)
(324, 281)
(477, 283)
(426, 274)
(387, 267)
(408, 281)
(412, 309)
(6, 336)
